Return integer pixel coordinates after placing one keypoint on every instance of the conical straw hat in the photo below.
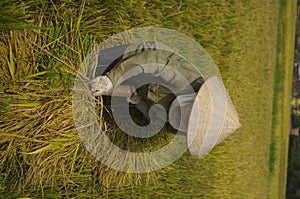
(212, 119)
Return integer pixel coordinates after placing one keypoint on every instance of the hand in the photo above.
(101, 85)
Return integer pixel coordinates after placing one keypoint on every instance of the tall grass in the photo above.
(40, 151)
(15, 15)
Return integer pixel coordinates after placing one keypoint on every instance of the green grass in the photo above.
(14, 14)
(278, 80)
(40, 151)
(281, 101)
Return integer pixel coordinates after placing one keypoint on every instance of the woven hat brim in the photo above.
(212, 119)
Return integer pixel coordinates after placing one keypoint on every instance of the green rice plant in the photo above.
(16, 14)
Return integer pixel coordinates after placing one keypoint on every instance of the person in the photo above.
(151, 73)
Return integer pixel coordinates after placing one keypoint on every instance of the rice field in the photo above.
(41, 154)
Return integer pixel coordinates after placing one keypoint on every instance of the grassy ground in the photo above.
(40, 152)
(281, 104)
